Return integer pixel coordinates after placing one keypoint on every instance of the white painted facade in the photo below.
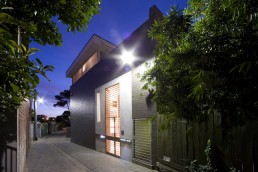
(126, 123)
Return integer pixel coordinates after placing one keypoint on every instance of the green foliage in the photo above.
(206, 61)
(34, 21)
(196, 167)
(18, 74)
(209, 166)
(38, 16)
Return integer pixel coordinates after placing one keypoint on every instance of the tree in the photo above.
(206, 61)
(34, 21)
(63, 99)
(64, 119)
(38, 15)
(18, 73)
(18, 78)
(31, 21)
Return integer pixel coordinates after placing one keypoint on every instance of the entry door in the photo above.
(112, 111)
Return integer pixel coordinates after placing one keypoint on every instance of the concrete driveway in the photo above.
(55, 153)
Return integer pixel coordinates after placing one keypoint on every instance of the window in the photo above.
(113, 147)
(112, 112)
(92, 61)
(98, 108)
(77, 75)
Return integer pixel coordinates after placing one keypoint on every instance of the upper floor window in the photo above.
(93, 60)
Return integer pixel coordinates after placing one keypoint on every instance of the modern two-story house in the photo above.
(109, 109)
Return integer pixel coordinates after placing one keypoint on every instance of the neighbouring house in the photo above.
(41, 118)
(109, 110)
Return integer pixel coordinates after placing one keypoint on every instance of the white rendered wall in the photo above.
(126, 123)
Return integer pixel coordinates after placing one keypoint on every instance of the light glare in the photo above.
(40, 100)
(127, 57)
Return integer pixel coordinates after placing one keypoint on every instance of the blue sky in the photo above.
(116, 20)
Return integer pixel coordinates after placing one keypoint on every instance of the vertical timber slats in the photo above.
(183, 142)
(142, 141)
(112, 111)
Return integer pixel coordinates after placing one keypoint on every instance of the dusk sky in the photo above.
(116, 20)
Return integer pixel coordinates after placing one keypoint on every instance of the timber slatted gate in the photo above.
(185, 141)
(142, 141)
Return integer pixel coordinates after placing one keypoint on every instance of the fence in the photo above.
(185, 141)
(15, 132)
(10, 159)
(23, 139)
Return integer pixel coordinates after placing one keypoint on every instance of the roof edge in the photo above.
(90, 44)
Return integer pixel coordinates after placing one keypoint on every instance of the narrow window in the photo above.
(112, 112)
(98, 107)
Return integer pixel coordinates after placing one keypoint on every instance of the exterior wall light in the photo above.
(127, 57)
(125, 140)
(102, 136)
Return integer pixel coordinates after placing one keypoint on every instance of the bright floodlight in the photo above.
(127, 57)
(40, 100)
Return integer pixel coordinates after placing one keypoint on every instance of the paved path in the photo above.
(56, 153)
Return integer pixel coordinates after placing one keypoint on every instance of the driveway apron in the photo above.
(55, 153)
